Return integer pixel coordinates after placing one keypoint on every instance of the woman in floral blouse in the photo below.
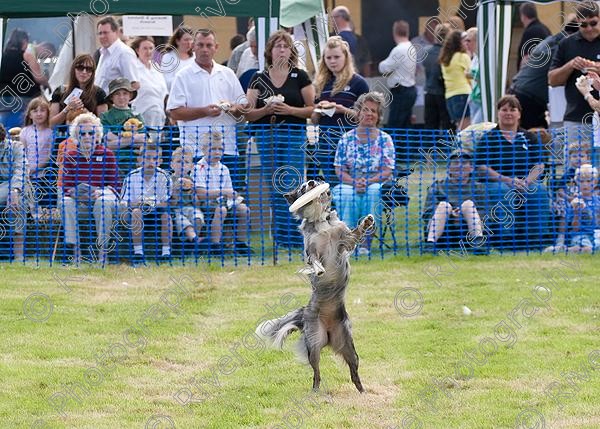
(364, 161)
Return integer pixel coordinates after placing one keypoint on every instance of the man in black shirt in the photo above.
(530, 84)
(575, 56)
(534, 32)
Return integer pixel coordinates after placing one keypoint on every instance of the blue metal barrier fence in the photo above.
(175, 195)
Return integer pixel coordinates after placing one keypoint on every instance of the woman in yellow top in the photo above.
(456, 65)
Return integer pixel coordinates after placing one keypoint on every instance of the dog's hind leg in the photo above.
(314, 357)
(315, 338)
(343, 344)
(351, 358)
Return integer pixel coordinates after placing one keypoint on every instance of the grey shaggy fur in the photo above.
(328, 243)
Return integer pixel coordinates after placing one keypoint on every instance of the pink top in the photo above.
(38, 146)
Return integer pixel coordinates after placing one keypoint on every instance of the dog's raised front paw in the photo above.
(367, 223)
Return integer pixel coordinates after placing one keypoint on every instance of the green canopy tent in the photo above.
(293, 12)
(204, 8)
(208, 8)
(266, 13)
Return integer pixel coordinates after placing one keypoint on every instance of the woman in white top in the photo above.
(152, 95)
(179, 54)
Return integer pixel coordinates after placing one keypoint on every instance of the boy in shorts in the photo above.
(145, 194)
(215, 193)
(188, 218)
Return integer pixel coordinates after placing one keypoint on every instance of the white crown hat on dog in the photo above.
(309, 197)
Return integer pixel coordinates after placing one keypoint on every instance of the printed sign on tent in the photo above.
(151, 25)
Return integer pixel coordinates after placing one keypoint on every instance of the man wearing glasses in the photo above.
(343, 27)
(577, 55)
(530, 84)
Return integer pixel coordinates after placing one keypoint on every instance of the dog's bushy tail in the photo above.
(276, 331)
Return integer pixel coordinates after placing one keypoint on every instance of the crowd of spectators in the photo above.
(97, 149)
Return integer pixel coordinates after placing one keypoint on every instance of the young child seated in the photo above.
(583, 212)
(188, 218)
(145, 194)
(122, 127)
(564, 190)
(451, 201)
(215, 193)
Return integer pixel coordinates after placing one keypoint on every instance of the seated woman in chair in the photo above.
(89, 186)
(364, 161)
(512, 161)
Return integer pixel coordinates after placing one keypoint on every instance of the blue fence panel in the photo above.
(175, 195)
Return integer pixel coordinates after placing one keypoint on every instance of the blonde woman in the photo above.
(337, 86)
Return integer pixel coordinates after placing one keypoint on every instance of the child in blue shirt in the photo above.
(583, 213)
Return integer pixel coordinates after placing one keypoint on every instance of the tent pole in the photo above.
(2, 33)
(73, 36)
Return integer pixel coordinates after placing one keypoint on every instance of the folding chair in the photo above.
(393, 195)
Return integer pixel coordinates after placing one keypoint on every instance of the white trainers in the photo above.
(555, 249)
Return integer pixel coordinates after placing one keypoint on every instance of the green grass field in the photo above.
(174, 347)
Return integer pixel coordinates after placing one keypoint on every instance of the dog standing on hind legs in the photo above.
(328, 244)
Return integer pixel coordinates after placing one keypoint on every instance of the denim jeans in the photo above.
(351, 205)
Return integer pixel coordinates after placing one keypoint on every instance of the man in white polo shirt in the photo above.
(206, 96)
(116, 58)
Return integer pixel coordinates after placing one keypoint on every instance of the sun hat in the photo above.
(121, 83)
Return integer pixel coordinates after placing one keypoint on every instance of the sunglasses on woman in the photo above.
(86, 133)
(585, 24)
(84, 69)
